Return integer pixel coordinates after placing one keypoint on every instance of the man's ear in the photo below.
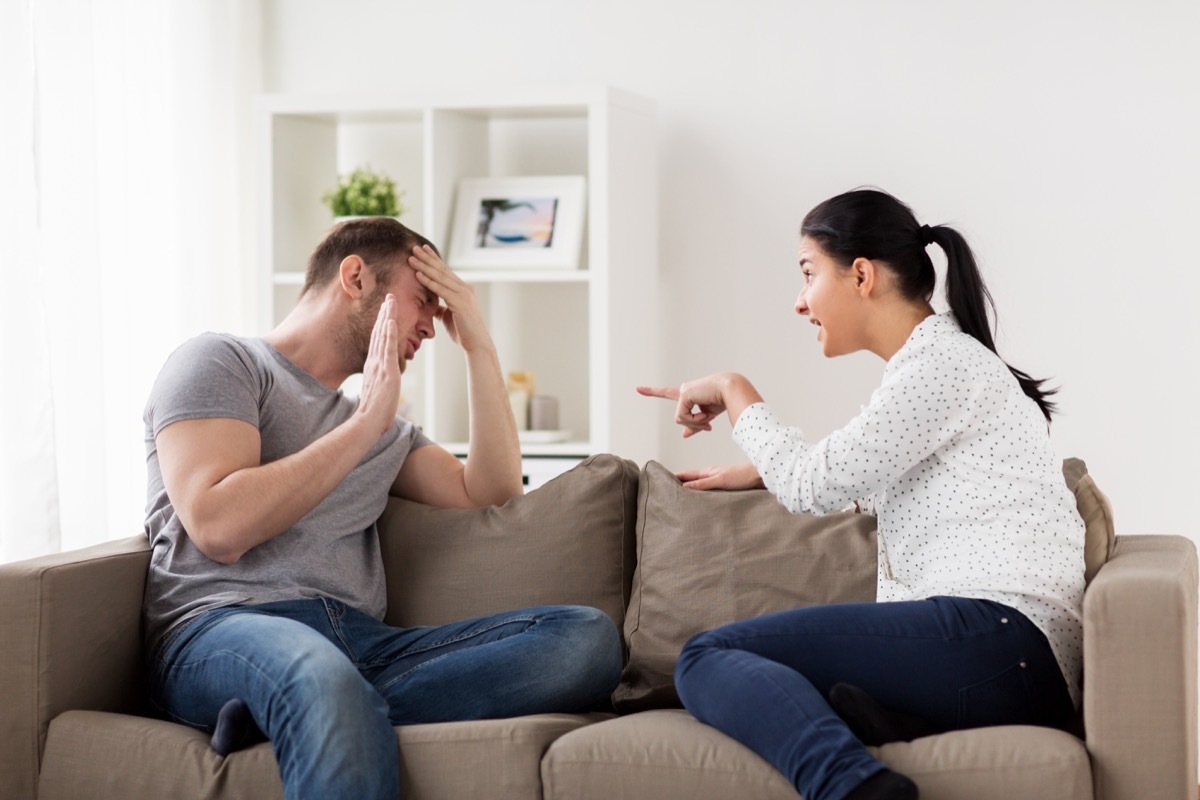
(866, 276)
(353, 276)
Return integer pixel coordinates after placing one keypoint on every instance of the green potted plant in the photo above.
(364, 193)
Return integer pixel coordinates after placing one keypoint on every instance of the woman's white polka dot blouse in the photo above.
(965, 482)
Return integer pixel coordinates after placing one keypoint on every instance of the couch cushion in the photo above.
(498, 758)
(1096, 511)
(662, 754)
(96, 754)
(705, 559)
(568, 542)
(99, 754)
(667, 754)
(997, 763)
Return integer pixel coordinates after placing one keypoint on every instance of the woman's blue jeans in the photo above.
(956, 662)
(326, 683)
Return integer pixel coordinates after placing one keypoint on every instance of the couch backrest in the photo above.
(568, 542)
(664, 562)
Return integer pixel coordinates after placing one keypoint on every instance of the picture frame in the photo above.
(525, 222)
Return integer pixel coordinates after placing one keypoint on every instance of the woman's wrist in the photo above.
(739, 395)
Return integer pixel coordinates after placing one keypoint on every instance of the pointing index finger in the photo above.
(665, 392)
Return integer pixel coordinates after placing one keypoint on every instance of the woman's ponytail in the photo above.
(970, 300)
(872, 224)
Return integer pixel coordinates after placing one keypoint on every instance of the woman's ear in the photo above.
(352, 276)
(865, 274)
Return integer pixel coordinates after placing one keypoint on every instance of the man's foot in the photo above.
(873, 724)
(235, 728)
(886, 785)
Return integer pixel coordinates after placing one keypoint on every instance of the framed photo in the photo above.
(518, 223)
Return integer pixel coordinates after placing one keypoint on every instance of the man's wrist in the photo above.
(483, 347)
(362, 430)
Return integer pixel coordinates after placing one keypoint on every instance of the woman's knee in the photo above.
(693, 650)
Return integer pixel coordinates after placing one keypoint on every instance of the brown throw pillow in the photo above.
(568, 542)
(1100, 536)
(705, 559)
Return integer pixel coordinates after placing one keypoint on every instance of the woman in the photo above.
(980, 545)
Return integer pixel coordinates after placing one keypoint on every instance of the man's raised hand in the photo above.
(381, 372)
(461, 314)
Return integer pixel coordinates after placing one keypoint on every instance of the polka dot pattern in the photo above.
(958, 465)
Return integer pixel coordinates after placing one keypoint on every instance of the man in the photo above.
(266, 590)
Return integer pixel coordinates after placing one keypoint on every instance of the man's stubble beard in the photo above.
(355, 339)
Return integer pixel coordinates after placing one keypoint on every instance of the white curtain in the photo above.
(127, 186)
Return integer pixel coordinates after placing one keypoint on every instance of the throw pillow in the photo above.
(568, 542)
(705, 559)
(1100, 536)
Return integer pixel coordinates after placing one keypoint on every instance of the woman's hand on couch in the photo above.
(730, 477)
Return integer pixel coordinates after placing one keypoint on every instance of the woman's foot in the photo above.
(886, 785)
(873, 724)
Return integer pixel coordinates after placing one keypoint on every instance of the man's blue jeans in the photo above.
(958, 663)
(326, 683)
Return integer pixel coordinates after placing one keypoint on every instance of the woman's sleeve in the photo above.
(922, 404)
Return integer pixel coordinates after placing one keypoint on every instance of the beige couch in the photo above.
(664, 563)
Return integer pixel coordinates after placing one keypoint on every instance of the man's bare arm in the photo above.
(229, 501)
(493, 470)
(431, 475)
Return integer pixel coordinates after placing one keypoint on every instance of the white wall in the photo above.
(1062, 138)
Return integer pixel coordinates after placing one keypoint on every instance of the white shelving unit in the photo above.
(588, 335)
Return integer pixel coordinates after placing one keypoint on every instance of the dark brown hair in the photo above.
(868, 223)
(381, 242)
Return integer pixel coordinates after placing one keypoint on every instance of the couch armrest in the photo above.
(1139, 644)
(70, 624)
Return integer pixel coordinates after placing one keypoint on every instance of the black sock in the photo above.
(873, 724)
(886, 785)
(235, 728)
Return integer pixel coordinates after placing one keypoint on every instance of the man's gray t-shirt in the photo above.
(333, 551)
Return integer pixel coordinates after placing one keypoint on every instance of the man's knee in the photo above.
(597, 634)
(606, 647)
(325, 682)
(590, 656)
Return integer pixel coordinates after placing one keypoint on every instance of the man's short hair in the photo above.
(381, 242)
